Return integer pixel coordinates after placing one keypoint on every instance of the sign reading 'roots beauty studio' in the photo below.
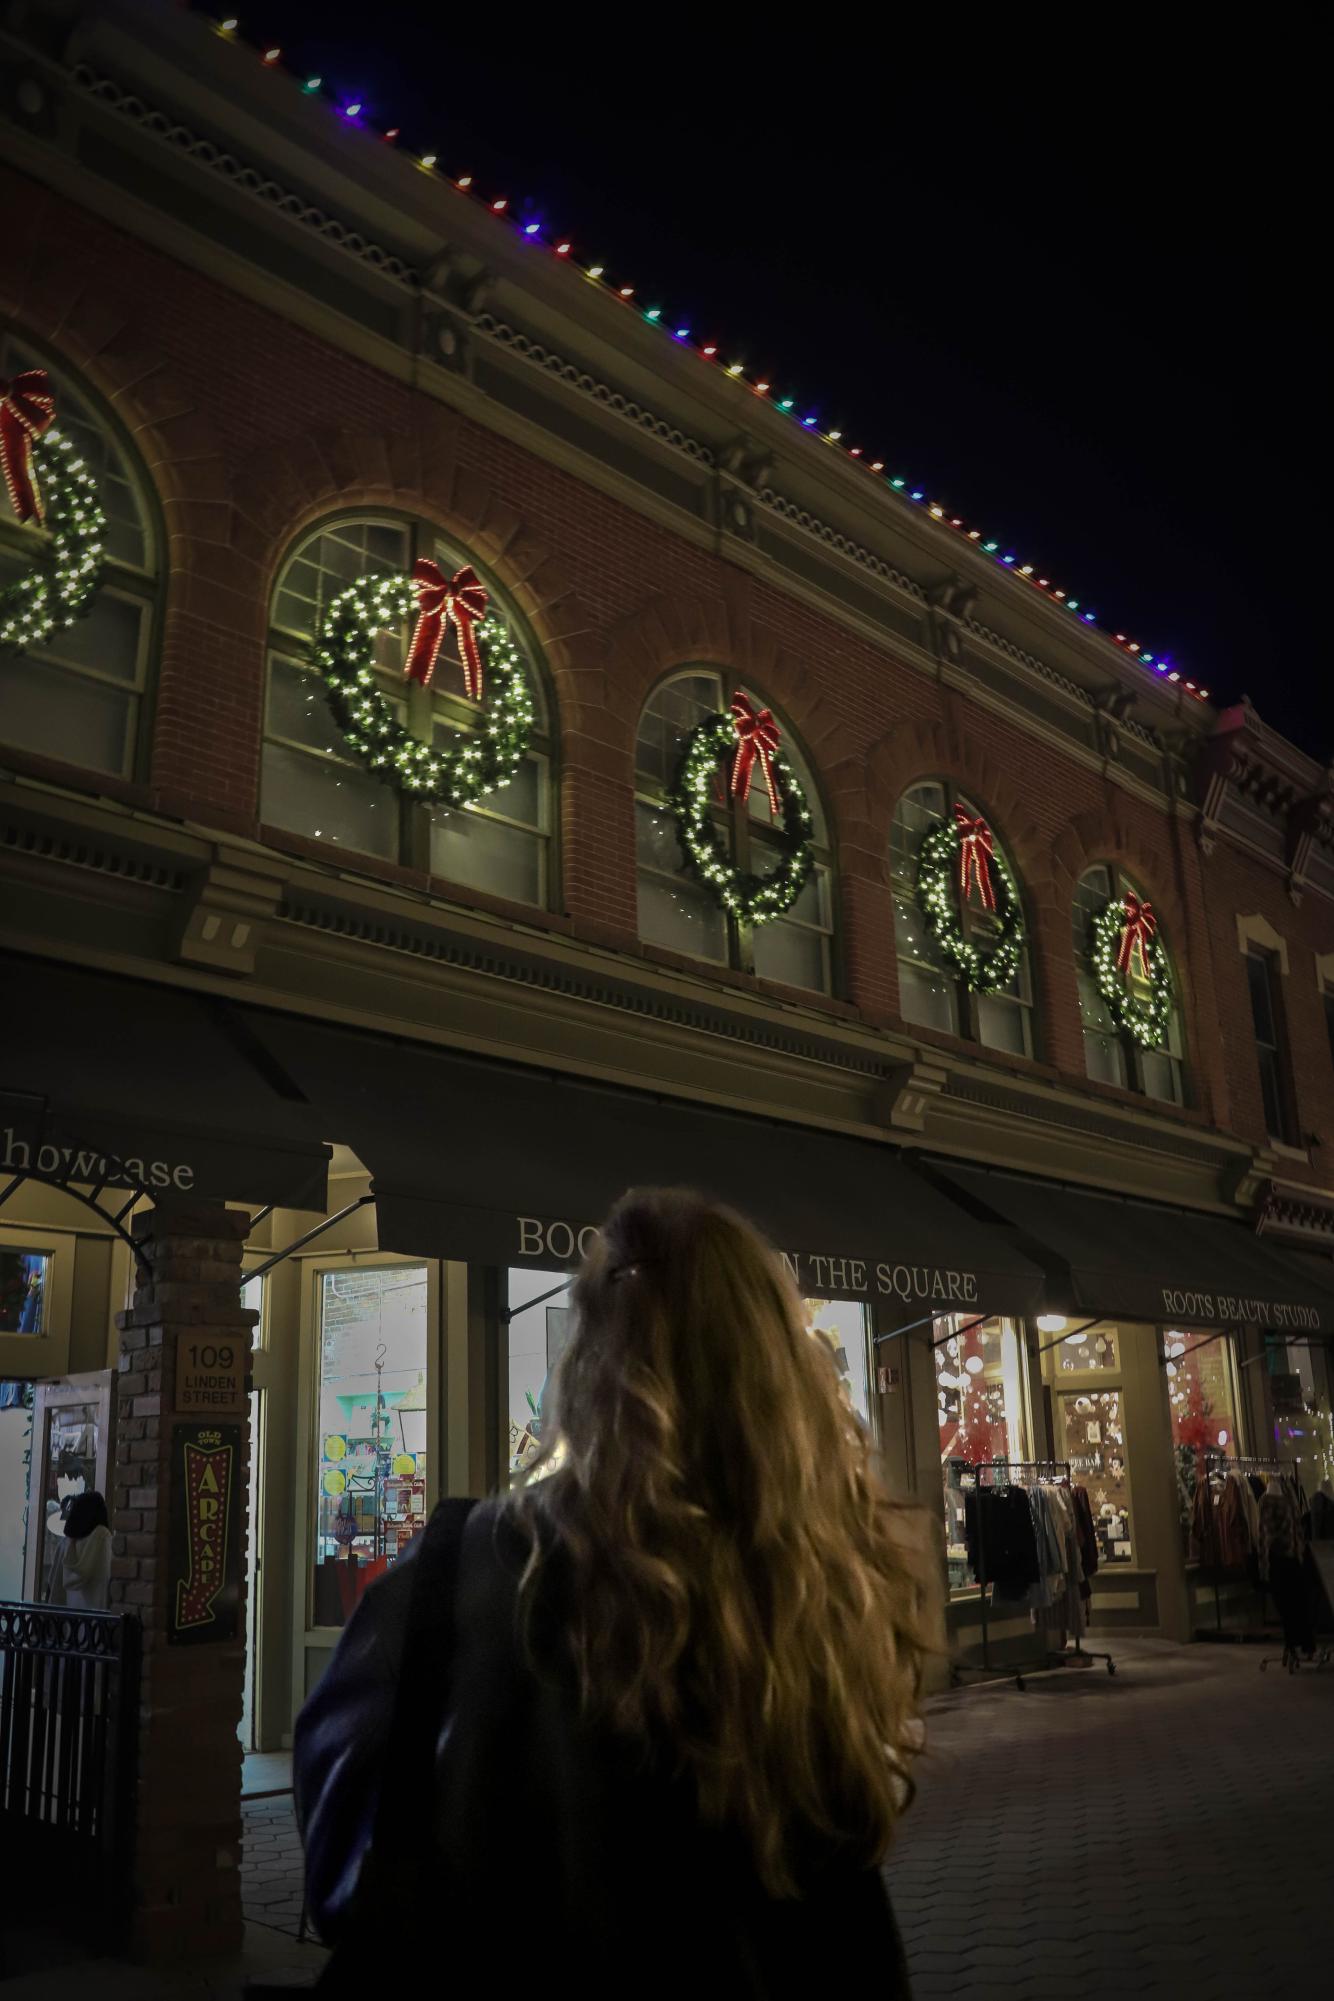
(205, 1550)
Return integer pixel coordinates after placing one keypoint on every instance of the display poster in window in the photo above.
(205, 1551)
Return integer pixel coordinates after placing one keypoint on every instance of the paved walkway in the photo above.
(1164, 1832)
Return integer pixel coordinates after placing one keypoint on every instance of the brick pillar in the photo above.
(187, 1831)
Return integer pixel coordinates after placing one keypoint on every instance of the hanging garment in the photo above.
(1234, 1537)
(1049, 1536)
(1280, 1527)
(1204, 1548)
(1070, 1603)
(1250, 1508)
(1002, 1543)
(1088, 1537)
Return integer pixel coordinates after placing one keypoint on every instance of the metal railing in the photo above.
(69, 1703)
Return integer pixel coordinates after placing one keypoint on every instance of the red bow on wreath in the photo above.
(976, 848)
(463, 599)
(757, 736)
(27, 407)
(1137, 933)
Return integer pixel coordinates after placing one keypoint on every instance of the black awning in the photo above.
(489, 1162)
(1136, 1260)
(119, 1083)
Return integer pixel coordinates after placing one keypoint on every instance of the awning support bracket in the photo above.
(258, 1271)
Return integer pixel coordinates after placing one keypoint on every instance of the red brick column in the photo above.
(187, 1831)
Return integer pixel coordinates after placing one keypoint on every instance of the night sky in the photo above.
(1067, 288)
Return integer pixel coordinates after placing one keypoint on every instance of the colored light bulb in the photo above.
(595, 270)
(272, 55)
(312, 83)
(428, 159)
(562, 250)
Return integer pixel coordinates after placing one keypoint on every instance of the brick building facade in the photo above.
(290, 341)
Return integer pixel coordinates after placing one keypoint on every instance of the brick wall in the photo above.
(243, 424)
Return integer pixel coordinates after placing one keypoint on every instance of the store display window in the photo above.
(539, 1327)
(981, 1408)
(1302, 1428)
(1201, 1391)
(370, 1498)
(1093, 1439)
(1087, 1349)
(24, 1291)
(842, 1326)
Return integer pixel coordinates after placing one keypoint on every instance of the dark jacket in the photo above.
(554, 1848)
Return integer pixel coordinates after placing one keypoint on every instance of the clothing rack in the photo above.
(1216, 1461)
(1057, 1471)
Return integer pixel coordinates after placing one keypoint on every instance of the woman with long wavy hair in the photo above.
(646, 1719)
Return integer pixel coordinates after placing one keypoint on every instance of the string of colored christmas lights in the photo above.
(353, 111)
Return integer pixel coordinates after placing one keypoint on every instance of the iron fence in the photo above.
(69, 1700)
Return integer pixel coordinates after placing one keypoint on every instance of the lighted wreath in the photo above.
(473, 764)
(1125, 937)
(747, 736)
(962, 852)
(48, 483)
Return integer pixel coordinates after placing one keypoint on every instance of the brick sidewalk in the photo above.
(1165, 1832)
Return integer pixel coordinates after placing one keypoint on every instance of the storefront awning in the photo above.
(1135, 1260)
(501, 1165)
(118, 1083)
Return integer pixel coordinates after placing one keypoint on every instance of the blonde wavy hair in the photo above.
(741, 1596)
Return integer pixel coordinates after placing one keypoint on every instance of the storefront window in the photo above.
(1094, 1442)
(1088, 1349)
(539, 1327)
(370, 1496)
(1201, 1391)
(980, 1407)
(842, 1326)
(1302, 1425)
(73, 1444)
(24, 1289)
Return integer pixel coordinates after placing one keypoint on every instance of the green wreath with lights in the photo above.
(983, 969)
(745, 894)
(1145, 1016)
(454, 774)
(65, 573)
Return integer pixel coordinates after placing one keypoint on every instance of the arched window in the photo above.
(1109, 1054)
(314, 784)
(930, 993)
(675, 910)
(80, 697)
